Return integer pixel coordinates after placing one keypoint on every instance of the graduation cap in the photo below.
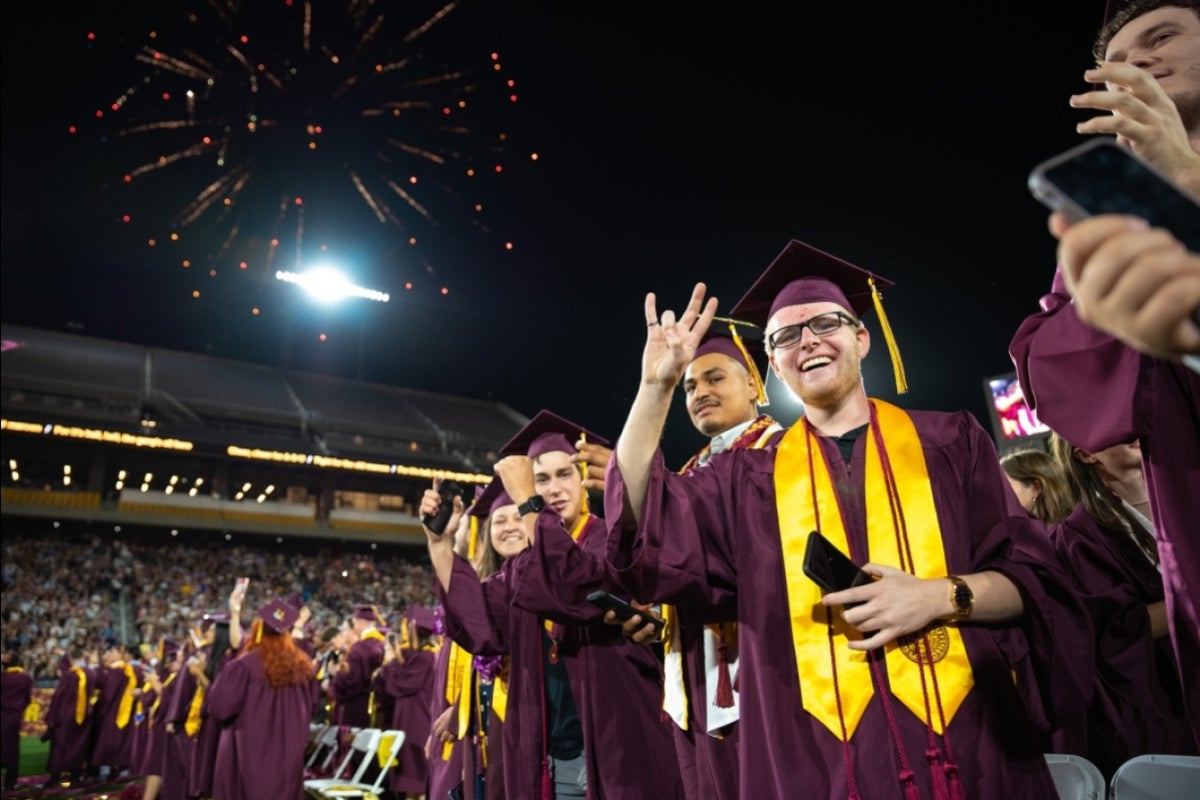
(728, 337)
(167, 648)
(802, 274)
(368, 612)
(423, 619)
(278, 616)
(214, 616)
(547, 432)
(493, 497)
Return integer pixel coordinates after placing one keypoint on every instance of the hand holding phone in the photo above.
(437, 522)
(624, 610)
(1103, 177)
(830, 568)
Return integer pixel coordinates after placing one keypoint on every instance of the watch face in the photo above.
(962, 597)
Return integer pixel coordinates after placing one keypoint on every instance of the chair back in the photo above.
(1157, 777)
(1076, 778)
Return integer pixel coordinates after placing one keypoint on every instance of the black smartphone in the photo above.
(437, 522)
(624, 610)
(1103, 177)
(830, 568)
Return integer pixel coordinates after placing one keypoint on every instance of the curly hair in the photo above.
(1129, 12)
(283, 663)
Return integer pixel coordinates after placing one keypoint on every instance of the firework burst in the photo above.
(258, 135)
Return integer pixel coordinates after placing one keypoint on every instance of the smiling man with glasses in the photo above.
(933, 680)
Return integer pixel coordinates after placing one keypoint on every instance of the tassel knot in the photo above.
(937, 774)
(956, 788)
(724, 693)
(908, 779)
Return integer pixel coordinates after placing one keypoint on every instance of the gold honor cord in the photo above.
(795, 487)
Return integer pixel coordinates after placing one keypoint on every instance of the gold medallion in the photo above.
(914, 648)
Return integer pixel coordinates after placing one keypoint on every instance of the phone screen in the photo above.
(1102, 177)
(830, 568)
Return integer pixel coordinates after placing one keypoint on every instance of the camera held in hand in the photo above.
(437, 522)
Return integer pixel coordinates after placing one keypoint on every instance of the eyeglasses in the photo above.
(820, 325)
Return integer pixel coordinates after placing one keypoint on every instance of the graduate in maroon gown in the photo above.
(1093, 388)
(151, 738)
(118, 682)
(220, 637)
(723, 389)
(407, 679)
(937, 676)
(563, 734)
(16, 692)
(1107, 543)
(350, 683)
(69, 719)
(263, 700)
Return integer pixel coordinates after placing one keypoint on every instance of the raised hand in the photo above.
(671, 343)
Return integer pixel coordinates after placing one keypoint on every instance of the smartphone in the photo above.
(242, 583)
(830, 568)
(624, 610)
(1103, 177)
(437, 522)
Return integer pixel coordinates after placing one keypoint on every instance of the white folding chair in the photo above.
(390, 742)
(353, 766)
(1076, 778)
(322, 751)
(1157, 777)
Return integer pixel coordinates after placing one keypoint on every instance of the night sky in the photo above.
(675, 142)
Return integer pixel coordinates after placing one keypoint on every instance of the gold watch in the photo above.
(961, 597)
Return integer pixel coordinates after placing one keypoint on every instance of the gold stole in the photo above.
(192, 724)
(457, 676)
(81, 696)
(813, 637)
(576, 532)
(372, 633)
(158, 698)
(125, 707)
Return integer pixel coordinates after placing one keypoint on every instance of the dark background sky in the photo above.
(676, 142)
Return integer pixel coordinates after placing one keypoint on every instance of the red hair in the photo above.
(283, 663)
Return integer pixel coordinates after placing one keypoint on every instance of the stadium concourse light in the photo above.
(328, 285)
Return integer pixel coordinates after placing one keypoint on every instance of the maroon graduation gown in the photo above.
(444, 775)
(493, 617)
(69, 741)
(113, 744)
(264, 732)
(410, 685)
(204, 754)
(352, 687)
(716, 530)
(16, 692)
(1137, 707)
(1097, 392)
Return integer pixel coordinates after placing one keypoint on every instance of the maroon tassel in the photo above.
(547, 781)
(908, 779)
(956, 788)
(724, 697)
(937, 774)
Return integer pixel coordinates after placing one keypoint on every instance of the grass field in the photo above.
(33, 755)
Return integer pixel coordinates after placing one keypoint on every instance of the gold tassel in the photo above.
(889, 337)
(473, 538)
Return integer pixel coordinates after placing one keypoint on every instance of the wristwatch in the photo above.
(961, 597)
(531, 506)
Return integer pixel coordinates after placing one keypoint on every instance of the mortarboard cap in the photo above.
(368, 612)
(422, 618)
(802, 274)
(214, 616)
(278, 616)
(729, 337)
(295, 601)
(548, 433)
(492, 498)
(167, 648)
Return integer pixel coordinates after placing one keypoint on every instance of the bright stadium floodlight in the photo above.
(328, 285)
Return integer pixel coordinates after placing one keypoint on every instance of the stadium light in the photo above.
(328, 285)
